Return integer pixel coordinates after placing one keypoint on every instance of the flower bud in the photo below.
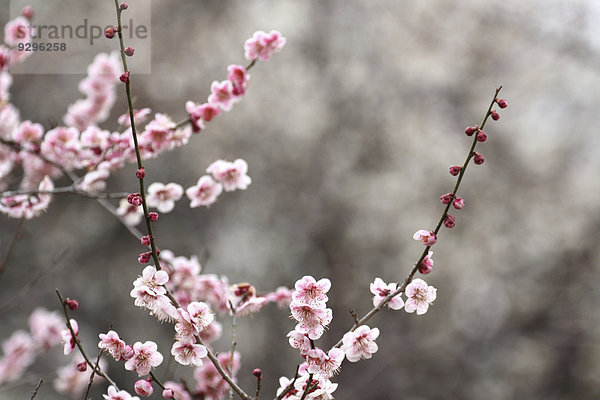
(502, 103)
(123, 6)
(129, 51)
(455, 170)
(72, 304)
(153, 216)
(145, 240)
(495, 115)
(144, 258)
(143, 388)
(125, 77)
(140, 173)
(446, 198)
(478, 158)
(82, 366)
(470, 130)
(128, 352)
(458, 203)
(449, 221)
(27, 12)
(257, 373)
(481, 136)
(109, 33)
(168, 394)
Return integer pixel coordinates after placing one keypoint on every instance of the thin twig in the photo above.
(67, 190)
(87, 392)
(233, 344)
(35, 391)
(414, 270)
(78, 343)
(11, 245)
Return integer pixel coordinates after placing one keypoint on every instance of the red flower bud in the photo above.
(153, 216)
(481, 137)
(470, 130)
(478, 158)
(502, 103)
(125, 77)
(495, 115)
(140, 173)
(109, 33)
(129, 51)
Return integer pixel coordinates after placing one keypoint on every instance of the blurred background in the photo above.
(348, 134)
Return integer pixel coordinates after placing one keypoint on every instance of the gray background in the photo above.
(348, 134)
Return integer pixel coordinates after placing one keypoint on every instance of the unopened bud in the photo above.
(257, 373)
(82, 366)
(129, 51)
(495, 115)
(446, 198)
(455, 170)
(449, 221)
(125, 77)
(27, 12)
(124, 6)
(72, 304)
(481, 136)
(109, 33)
(470, 130)
(478, 158)
(502, 103)
(153, 216)
(145, 240)
(140, 173)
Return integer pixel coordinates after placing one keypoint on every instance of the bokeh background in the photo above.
(348, 134)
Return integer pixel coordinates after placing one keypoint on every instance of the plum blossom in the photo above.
(310, 292)
(45, 327)
(243, 299)
(233, 175)
(360, 344)
(149, 293)
(111, 342)
(145, 357)
(426, 265)
(157, 134)
(311, 320)
(381, 290)
(420, 296)
(324, 364)
(239, 77)
(200, 314)
(19, 353)
(201, 113)
(204, 193)
(28, 206)
(426, 237)
(94, 181)
(68, 340)
(139, 116)
(282, 296)
(187, 353)
(115, 394)
(263, 45)
(163, 197)
(221, 95)
(299, 340)
(323, 390)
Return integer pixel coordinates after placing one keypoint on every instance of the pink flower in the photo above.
(149, 293)
(157, 134)
(114, 394)
(282, 296)
(309, 291)
(239, 77)
(143, 388)
(210, 385)
(131, 214)
(204, 193)
(200, 314)
(68, 340)
(17, 31)
(427, 264)
(19, 353)
(426, 237)
(242, 297)
(46, 327)
(323, 364)
(360, 344)
(381, 290)
(263, 45)
(201, 113)
(187, 353)
(233, 175)
(311, 320)
(420, 296)
(113, 344)
(163, 197)
(94, 181)
(28, 132)
(221, 95)
(299, 340)
(145, 357)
